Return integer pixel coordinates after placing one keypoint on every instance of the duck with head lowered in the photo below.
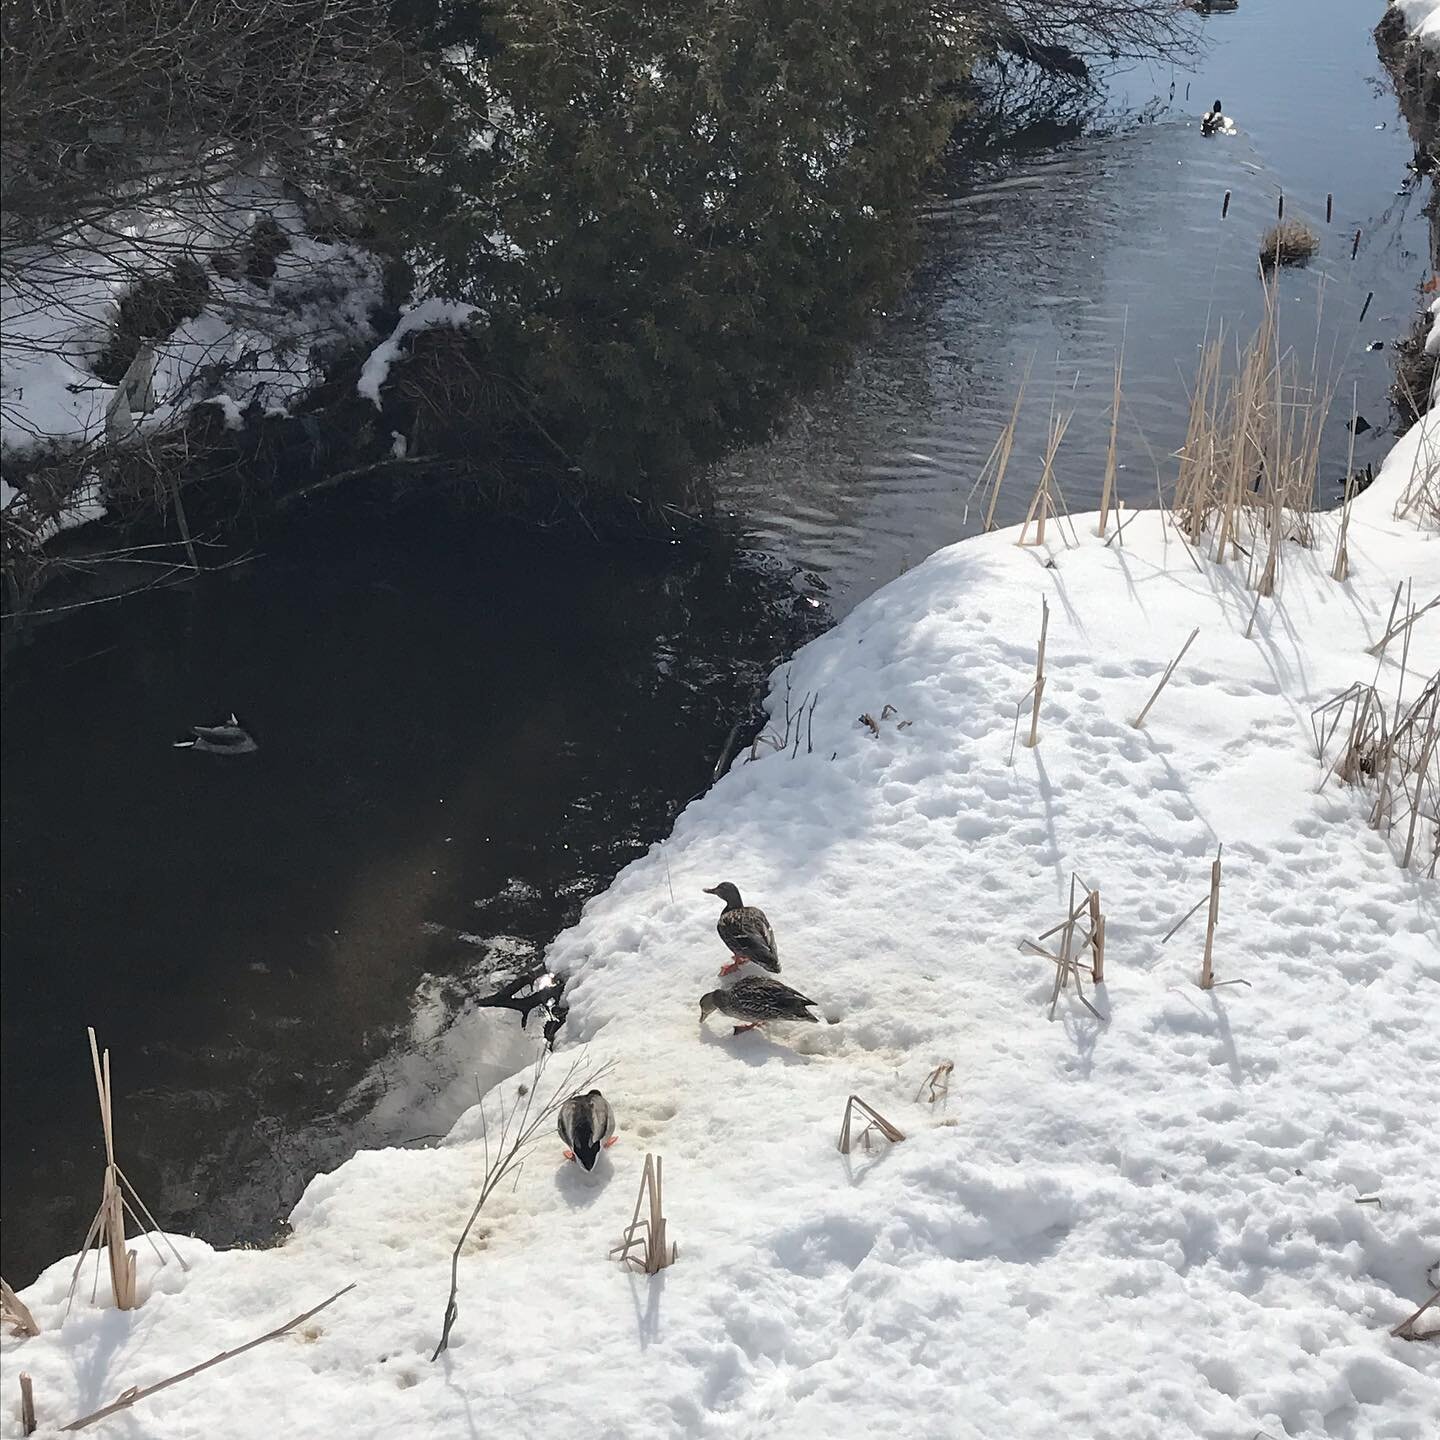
(587, 1126)
(756, 999)
(745, 931)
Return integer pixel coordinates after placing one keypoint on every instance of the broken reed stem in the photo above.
(16, 1312)
(1097, 939)
(27, 1404)
(107, 1230)
(1041, 504)
(939, 1082)
(1034, 739)
(1378, 649)
(1405, 1330)
(130, 1397)
(1139, 720)
(1207, 967)
(876, 1122)
(656, 1250)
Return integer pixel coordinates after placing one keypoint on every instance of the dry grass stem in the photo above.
(1139, 720)
(645, 1243)
(107, 1229)
(874, 1121)
(1107, 486)
(1207, 966)
(1039, 686)
(1249, 465)
(937, 1082)
(1406, 1330)
(1042, 504)
(136, 1393)
(1081, 931)
(16, 1313)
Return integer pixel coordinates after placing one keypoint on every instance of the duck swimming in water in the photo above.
(227, 739)
(756, 999)
(587, 1126)
(746, 932)
(1214, 122)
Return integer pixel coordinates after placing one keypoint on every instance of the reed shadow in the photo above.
(647, 1318)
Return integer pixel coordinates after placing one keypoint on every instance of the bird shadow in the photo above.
(580, 1188)
(753, 1048)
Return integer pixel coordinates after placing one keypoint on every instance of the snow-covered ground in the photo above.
(1142, 1227)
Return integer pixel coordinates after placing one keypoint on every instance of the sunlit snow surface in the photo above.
(1142, 1228)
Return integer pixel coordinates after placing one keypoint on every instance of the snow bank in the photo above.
(255, 340)
(420, 316)
(1422, 19)
(1130, 1229)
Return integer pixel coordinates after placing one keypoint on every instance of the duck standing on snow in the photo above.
(1215, 122)
(227, 739)
(756, 999)
(746, 932)
(587, 1126)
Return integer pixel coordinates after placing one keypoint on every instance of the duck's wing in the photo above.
(562, 1122)
(773, 998)
(602, 1117)
(748, 934)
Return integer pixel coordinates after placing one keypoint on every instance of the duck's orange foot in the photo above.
(741, 1029)
(614, 1139)
(569, 1154)
(736, 961)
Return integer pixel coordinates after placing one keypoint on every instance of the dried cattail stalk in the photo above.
(649, 1236)
(875, 1121)
(16, 1313)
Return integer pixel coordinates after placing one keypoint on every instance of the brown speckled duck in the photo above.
(746, 932)
(756, 999)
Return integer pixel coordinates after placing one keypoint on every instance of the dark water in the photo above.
(463, 733)
(462, 736)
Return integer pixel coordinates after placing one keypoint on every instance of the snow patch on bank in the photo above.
(255, 341)
(1422, 19)
(421, 316)
(1142, 1226)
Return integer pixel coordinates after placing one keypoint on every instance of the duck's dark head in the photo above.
(1215, 108)
(727, 892)
(709, 1003)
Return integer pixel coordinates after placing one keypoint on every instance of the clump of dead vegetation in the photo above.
(1413, 390)
(1290, 242)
